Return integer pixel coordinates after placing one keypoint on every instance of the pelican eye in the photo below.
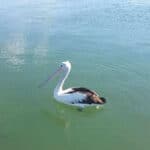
(61, 65)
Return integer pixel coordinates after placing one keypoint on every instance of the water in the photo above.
(108, 45)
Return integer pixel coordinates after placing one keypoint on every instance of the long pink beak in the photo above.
(50, 77)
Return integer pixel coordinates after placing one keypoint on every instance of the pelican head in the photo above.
(66, 66)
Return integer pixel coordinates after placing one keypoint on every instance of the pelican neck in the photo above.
(59, 86)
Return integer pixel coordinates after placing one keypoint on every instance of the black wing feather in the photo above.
(82, 89)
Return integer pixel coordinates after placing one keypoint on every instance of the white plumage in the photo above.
(69, 98)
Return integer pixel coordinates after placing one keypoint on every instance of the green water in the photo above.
(108, 43)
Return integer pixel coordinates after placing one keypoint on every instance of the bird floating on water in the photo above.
(80, 97)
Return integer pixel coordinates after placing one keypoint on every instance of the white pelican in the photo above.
(81, 97)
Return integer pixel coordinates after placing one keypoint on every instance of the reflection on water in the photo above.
(61, 114)
(58, 114)
(14, 49)
(57, 118)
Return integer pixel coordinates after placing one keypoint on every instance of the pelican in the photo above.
(75, 96)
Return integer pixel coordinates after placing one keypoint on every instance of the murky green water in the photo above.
(108, 43)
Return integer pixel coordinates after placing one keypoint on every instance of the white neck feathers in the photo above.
(59, 87)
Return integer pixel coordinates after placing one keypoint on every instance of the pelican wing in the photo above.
(91, 96)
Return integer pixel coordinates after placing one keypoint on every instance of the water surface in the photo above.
(108, 45)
